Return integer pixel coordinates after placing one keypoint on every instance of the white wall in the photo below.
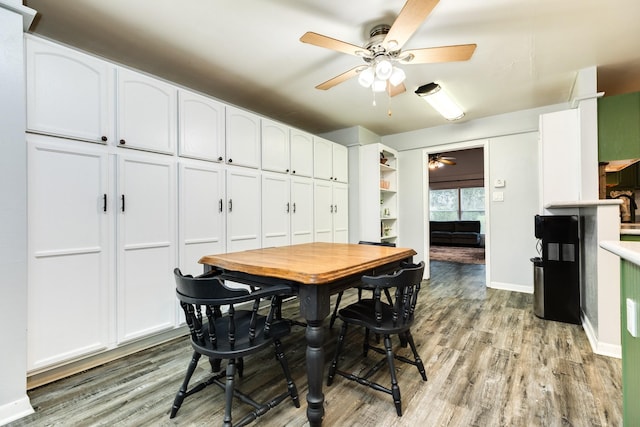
(14, 402)
(511, 153)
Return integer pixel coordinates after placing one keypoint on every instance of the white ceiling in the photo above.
(248, 53)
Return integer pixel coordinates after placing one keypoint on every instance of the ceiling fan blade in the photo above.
(395, 90)
(446, 161)
(341, 78)
(410, 18)
(432, 55)
(333, 44)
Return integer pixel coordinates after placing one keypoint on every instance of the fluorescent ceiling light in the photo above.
(440, 101)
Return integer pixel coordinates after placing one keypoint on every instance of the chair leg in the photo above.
(416, 356)
(182, 393)
(228, 392)
(335, 311)
(334, 363)
(395, 389)
(215, 364)
(365, 344)
(293, 391)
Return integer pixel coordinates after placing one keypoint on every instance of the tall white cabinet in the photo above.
(146, 223)
(131, 176)
(70, 290)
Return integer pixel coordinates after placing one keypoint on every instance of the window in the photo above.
(457, 204)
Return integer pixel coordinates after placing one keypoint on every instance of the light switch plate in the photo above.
(498, 183)
(632, 317)
(498, 196)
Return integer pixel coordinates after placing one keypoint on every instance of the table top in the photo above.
(309, 263)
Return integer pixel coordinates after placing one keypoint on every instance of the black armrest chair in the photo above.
(230, 332)
(334, 315)
(385, 319)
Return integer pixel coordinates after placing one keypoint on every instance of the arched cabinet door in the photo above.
(243, 138)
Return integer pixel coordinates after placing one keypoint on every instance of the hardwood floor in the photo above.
(489, 360)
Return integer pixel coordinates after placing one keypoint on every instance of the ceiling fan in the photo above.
(384, 50)
(438, 160)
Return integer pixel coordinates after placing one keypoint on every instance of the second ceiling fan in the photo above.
(384, 50)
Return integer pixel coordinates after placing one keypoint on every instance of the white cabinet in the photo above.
(301, 153)
(242, 138)
(276, 210)
(243, 209)
(70, 221)
(202, 127)
(201, 213)
(147, 113)
(146, 224)
(378, 193)
(331, 210)
(69, 93)
(301, 210)
(330, 160)
(275, 146)
(287, 210)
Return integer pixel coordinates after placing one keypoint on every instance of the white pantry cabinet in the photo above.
(301, 153)
(146, 223)
(242, 138)
(243, 209)
(201, 127)
(301, 210)
(201, 213)
(147, 112)
(275, 146)
(69, 93)
(287, 210)
(70, 220)
(330, 160)
(331, 210)
(276, 209)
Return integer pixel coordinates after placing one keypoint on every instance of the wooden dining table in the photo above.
(315, 271)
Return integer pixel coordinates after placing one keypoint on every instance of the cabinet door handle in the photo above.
(122, 142)
(220, 205)
(104, 203)
(122, 198)
(220, 158)
(331, 208)
(104, 138)
(287, 207)
(294, 207)
(335, 208)
(230, 205)
(230, 160)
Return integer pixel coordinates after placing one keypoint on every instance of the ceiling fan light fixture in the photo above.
(397, 76)
(379, 85)
(384, 69)
(366, 77)
(440, 101)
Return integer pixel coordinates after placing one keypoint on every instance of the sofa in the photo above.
(455, 233)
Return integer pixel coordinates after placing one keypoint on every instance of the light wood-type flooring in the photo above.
(489, 360)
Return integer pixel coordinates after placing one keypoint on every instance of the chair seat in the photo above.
(362, 313)
(243, 345)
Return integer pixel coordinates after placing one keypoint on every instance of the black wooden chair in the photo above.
(385, 319)
(334, 315)
(230, 331)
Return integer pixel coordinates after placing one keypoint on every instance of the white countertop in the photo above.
(629, 251)
(582, 203)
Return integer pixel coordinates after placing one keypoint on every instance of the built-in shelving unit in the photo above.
(379, 194)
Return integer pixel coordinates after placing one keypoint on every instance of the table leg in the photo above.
(315, 372)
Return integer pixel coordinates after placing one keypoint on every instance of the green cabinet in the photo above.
(630, 281)
(619, 127)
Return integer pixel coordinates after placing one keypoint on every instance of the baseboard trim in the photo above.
(47, 375)
(15, 410)
(603, 349)
(512, 287)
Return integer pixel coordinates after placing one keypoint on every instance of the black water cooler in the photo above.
(556, 275)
